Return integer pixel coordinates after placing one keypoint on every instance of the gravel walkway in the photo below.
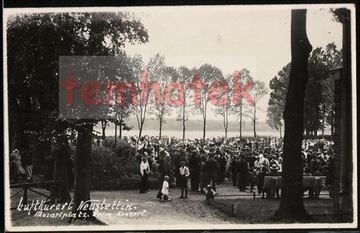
(128, 209)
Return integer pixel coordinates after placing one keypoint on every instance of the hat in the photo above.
(274, 167)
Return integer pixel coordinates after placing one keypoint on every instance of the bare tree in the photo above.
(201, 83)
(159, 78)
(225, 109)
(140, 109)
(185, 76)
(258, 91)
(240, 108)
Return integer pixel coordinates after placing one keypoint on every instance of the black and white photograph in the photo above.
(217, 117)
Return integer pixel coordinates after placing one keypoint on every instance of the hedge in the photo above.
(115, 172)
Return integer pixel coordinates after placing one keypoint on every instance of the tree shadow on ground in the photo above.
(260, 211)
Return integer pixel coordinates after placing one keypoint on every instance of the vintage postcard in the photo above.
(180, 118)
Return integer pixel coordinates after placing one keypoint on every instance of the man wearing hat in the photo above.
(194, 167)
(274, 172)
(233, 165)
(243, 172)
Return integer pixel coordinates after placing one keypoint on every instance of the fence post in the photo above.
(25, 195)
(273, 187)
(317, 187)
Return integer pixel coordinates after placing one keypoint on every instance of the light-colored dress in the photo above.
(17, 161)
(165, 188)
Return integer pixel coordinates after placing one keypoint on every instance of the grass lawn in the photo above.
(261, 210)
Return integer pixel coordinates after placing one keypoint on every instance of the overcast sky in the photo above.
(228, 37)
(231, 37)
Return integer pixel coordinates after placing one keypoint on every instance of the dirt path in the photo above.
(128, 209)
(191, 211)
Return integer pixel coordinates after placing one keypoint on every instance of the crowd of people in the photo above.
(206, 163)
(243, 162)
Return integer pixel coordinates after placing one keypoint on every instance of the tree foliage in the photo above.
(239, 110)
(185, 76)
(258, 91)
(278, 86)
(225, 110)
(140, 110)
(35, 42)
(160, 75)
(206, 74)
(319, 105)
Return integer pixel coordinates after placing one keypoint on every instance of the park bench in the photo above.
(313, 183)
(29, 187)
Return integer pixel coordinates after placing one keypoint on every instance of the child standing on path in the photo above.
(165, 190)
(184, 174)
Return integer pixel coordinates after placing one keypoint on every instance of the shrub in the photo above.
(110, 172)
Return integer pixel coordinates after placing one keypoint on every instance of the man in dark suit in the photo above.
(211, 170)
(194, 166)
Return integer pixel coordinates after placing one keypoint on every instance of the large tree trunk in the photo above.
(204, 119)
(226, 128)
(82, 173)
(120, 126)
(103, 127)
(343, 134)
(142, 121)
(183, 119)
(226, 120)
(291, 205)
(115, 123)
(140, 130)
(240, 124)
(323, 123)
(61, 170)
(254, 120)
(160, 127)
(254, 128)
(120, 131)
(204, 128)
